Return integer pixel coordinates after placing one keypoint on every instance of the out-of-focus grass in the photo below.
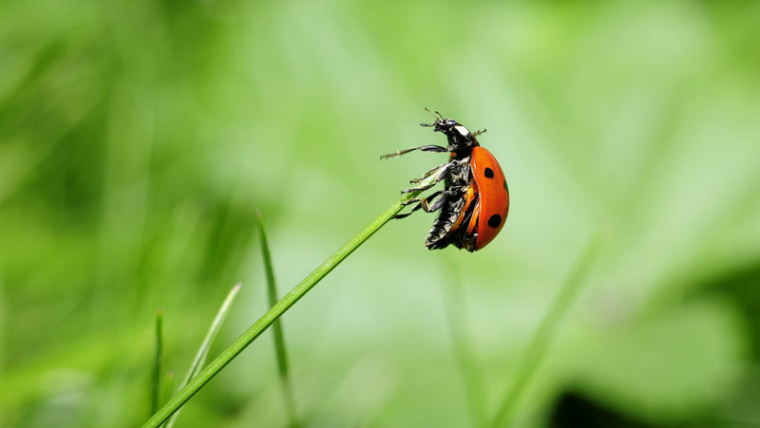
(281, 351)
(202, 354)
(542, 338)
(277, 309)
(136, 140)
(155, 387)
(459, 325)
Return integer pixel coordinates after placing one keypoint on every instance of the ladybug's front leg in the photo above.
(428, 148)
(442, 172)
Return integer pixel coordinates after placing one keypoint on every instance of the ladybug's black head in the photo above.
(458, 135)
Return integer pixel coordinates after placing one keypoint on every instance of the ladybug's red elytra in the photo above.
(475, 200)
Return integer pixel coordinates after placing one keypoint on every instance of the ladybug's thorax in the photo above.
(460, 138)
(463, 151)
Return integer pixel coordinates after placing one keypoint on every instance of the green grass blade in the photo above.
(279, 338)
(542, 338)
(202, 354)
(166, 391)
(458, 321)
(155, 386)
(255, 330)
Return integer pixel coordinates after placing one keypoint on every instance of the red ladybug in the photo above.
(475, 200)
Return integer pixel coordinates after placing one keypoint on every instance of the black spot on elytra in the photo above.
(505, 186)
(489, 173)
(494, 221)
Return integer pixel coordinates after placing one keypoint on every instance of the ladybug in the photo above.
(475, 200)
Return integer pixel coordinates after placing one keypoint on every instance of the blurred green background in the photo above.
(138, 138)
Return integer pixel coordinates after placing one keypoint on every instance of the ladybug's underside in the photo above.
(451, 225)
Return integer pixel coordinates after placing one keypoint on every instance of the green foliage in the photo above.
(138, 138)
(542, 338)
(202, 354)
(197, 381)
(279, 336)
(155, 387)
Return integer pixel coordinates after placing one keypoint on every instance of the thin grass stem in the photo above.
(155, 385)
(202, 354)
(458, 320)
(166, 391)
(541, 340)
(279, 337)
(266, 320)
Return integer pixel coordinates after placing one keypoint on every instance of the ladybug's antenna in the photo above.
(476, 133)
(437, 115)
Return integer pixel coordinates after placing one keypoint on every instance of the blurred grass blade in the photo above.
(156, 378)
(202, 354)
(258, 327)
(542, 338)
(166, 391)
(279, 338)
(459, 329)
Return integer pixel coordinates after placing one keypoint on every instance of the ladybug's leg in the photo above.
(432, 148)
(422, 200)
(427, 174)
(420, 203)
(437, 203)
(442, 173)
(400, 216)
(423, 203)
